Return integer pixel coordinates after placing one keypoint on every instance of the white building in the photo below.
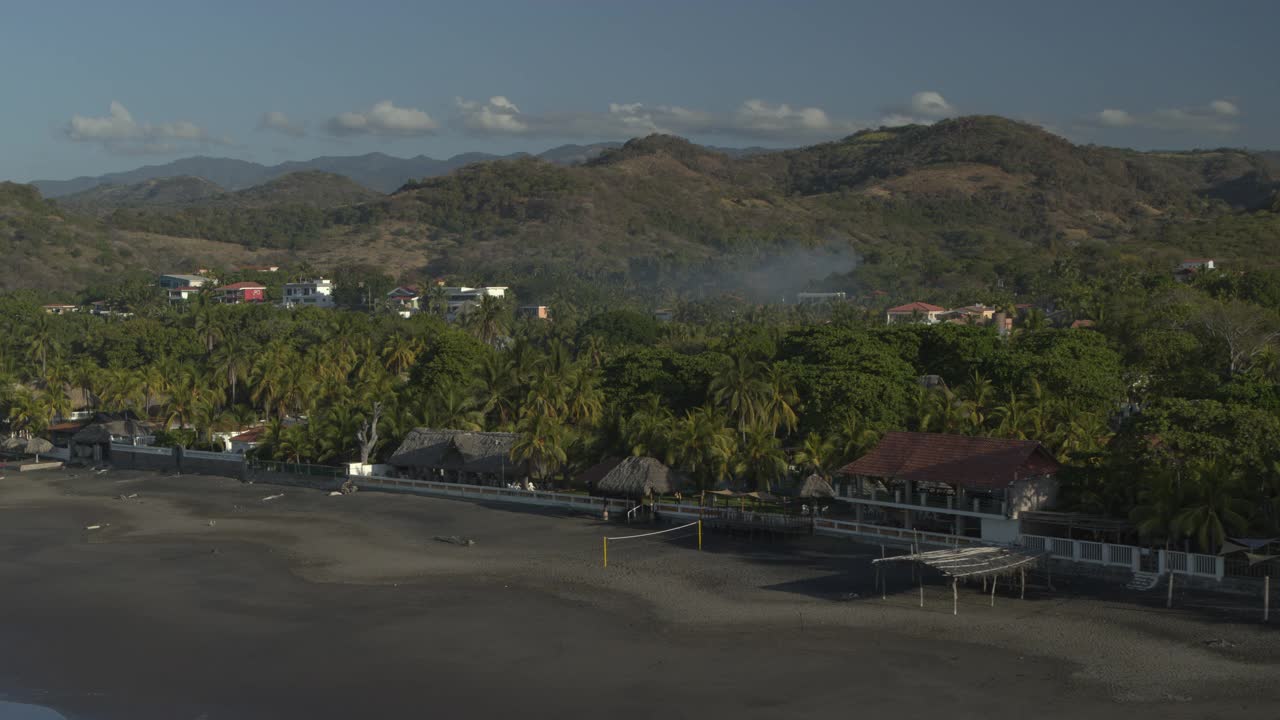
(175, 280)
(461, 299)
(308, 293)
(817, 298)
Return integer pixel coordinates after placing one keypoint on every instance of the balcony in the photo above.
(933, 502)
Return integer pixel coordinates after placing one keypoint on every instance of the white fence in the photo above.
(484, 492)
(1125, 556)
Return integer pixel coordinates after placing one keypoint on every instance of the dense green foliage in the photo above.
(1170, 417)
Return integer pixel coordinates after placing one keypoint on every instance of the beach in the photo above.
(196, 597)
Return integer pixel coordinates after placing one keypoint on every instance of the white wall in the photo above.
(1000, 530)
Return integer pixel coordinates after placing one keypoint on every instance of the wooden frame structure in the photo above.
(970, 562)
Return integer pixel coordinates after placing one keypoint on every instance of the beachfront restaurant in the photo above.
(953, 484)
(459, 456)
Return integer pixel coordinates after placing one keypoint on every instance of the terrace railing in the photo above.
(932, 501)
(1125, 556)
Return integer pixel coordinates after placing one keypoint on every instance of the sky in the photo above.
(92, 87)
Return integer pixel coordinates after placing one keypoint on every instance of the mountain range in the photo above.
(950, 210)
(376, 171)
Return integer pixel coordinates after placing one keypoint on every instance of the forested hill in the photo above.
(957, 208)
(311, 188)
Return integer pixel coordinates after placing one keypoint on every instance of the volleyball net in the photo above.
(687, 534)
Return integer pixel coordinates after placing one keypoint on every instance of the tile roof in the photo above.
(250, 435)
(916, 307)
(971, 462)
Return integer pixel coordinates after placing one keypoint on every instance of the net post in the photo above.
(606, 551)
(699, 534)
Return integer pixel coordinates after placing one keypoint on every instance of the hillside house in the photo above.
(975, 486)
(60, 309)
(182, 294)
(461, 299)
(308, 293)
(176, 280)
(819, 298)
(241, 292)
(261, 268)
(534, 312)
(247, 440)
(1188, 269)
(404, 300)
(919, 312)
(664, 315)
(968, 315)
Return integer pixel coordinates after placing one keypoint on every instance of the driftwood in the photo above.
(455, 540)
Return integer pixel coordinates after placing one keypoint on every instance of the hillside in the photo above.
(962, 206)
(174, 191)
(48, 248)
(376, 171)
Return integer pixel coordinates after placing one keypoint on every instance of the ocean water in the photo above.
(18, 711)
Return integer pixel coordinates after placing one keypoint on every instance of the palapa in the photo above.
(815, 486)
(639, 477)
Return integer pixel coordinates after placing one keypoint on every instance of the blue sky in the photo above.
(92, 87)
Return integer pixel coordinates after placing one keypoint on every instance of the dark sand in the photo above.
(311, 606)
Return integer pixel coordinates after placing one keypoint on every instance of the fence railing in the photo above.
(932, 501)
(327, 471)
(1125, 556)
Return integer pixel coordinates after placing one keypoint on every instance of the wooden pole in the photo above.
(1168, 603)
(699, 534)
(606, 551)
(884, 579)
(1023, 595)
(955, 597)
(1266, 598)
(921, 590)
(994, 580)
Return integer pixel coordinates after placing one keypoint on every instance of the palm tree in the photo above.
(780, 399)
(741, 390)
(1214, 505)
(701, 444)
(853, 437)
(207, 323)
(975, 394)
(231, 362)
(761, 457)
(540, 444)
(647, 431)
(453, 408)
(1161, 499)
(585, 401)
(400, 352)
(817, 455)
(498, 387)
(40, 343)
(489, 321)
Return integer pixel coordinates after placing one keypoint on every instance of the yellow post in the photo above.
(699, 534)
(606, 551)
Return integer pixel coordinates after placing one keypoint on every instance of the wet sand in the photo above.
(197, 598)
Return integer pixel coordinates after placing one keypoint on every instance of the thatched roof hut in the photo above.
(461, 450)
(638, 477)
(815, 486)
(92, 435)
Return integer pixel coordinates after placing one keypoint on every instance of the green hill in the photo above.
(962, 206)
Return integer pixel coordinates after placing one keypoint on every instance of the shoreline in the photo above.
(366, 554)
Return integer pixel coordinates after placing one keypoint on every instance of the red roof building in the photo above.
(241, 292)
(951, 478)
(914, 312)
(975, 463)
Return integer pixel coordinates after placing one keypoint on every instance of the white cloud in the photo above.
(1224, 107)
(280, 122)
(931, 104)
(498, 115)
(925, 108)
(119, 132)
(1217, 116)
(384, 119)
(753, 119)
(1115, 118)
